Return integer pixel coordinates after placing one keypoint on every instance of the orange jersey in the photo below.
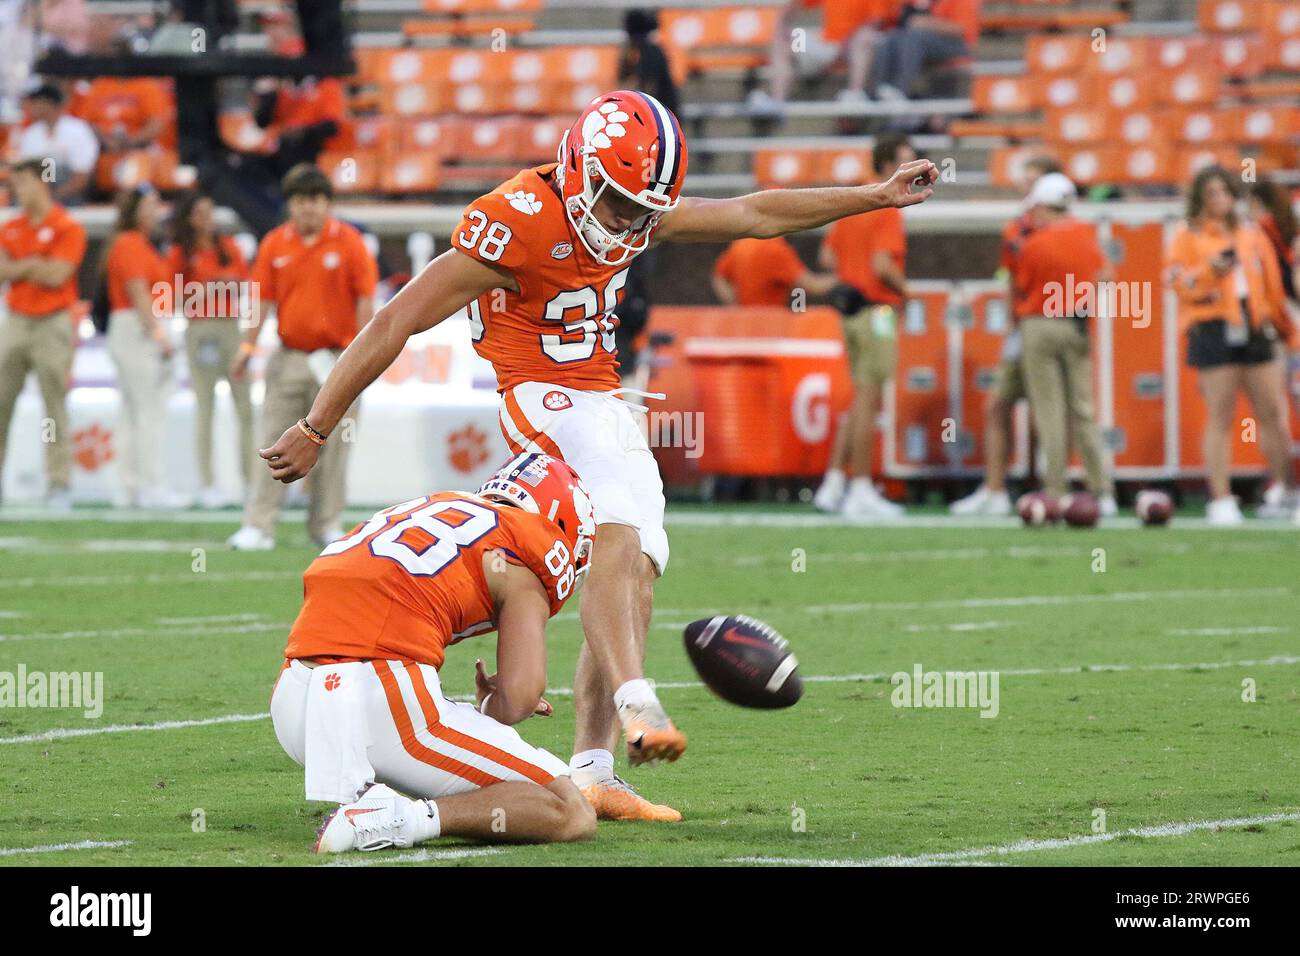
(409, 582)
(559, 327)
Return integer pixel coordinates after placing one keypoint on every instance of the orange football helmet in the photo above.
(629, 142)
(547, 486)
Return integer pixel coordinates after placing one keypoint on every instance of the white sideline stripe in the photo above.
(60, 847)
(1030, 846)
(417, 856)
(60, 734)
(120, 580)
(63, 733)
(253, 627)
(209, 618)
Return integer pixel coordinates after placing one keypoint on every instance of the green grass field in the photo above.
(1120, 691)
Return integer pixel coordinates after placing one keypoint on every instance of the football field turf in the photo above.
(1125, 729)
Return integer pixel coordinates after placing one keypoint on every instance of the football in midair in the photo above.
(744, 661)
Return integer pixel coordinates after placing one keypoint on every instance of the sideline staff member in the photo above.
(40, 251)
(318, 272)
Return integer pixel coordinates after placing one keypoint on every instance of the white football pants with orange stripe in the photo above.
(388, 722)
(603, 439)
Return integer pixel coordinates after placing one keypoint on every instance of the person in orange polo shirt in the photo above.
(1232, 307)
(991, 497)
(765, 272)
(321, 278)
(135, 272)
(867, 253)
(1057, 276)
(210, 264)
(40, 251)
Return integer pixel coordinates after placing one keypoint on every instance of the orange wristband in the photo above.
(317, 438)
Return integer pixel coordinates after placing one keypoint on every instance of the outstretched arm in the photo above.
(776, 212)
(444, 287)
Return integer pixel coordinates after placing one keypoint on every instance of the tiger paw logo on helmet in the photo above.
(527, 203)
(604, 123)
(556, 401)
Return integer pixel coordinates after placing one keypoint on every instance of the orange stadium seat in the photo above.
(1125, 92)
(418, 173)
(1229, 16)
(1136, 126)
(785, 167)
(1007, 165)
(1057, 54)
(1174, 53)
(1069, 90)
(1197, 126)
(1188, 86)
(1003, 94)
(1123, 55)
(411, 99)
(1263, 124)
(1082, 124)
(725, 38)
(435, 137)
(1241, 56)
(844, 167)
(996, 128)
(355, 171)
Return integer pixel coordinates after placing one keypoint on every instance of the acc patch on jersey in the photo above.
(561, 250)
(556, 401)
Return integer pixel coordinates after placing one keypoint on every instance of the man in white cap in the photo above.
(1058, 277)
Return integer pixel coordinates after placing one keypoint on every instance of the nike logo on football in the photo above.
(735, 637)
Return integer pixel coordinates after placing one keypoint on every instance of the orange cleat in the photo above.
(650, 735)
(614, 799)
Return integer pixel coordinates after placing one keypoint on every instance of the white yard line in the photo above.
(1026, 600)
(1277, 661)
(124, 580)
(1028, 846)
(209, 618)
(416, 856)
(60, 847)
(195, 630)
(63, 733)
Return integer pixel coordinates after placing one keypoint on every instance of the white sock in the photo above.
(426, 823)
(834, 477)
(590, 766)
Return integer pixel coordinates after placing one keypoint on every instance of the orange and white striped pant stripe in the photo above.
(418, 741)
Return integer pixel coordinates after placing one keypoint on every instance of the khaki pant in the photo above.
(1057, 367)
(871, 341)
(142, 380)
(290, 389)
(43, 346)
(211, 345)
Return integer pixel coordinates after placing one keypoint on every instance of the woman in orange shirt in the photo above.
(136, 275)
(212, 276)
(1231, 304)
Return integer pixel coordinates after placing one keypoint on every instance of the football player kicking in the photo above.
(538, 264)
(359, 703)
